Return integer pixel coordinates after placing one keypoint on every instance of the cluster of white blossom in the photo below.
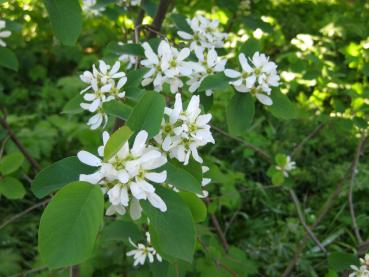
(126, 176)
(90, 8)
(128, 2)
(209, 63)
(205, 34)
(363, 269)
(3, 33)
(104, 84)
(143, 251)
(184, 131)
(257, 78)
(288, 166)
(167, 66)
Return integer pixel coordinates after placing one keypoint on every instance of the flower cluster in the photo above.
(363, 270)
(288, 166)
(167, 66)
(209, 63)
(257, 78)
(205, 34)
(184, 131)
(143, 251)
(104, 84)
(90, 8)
(127, 175)
(3, 33)
(129, 2)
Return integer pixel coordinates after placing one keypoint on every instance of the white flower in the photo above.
(205, 34)
(3, 33)
(143, 251)
(361, 271)
(257, 78)
(288, 166)
(185, 130)
(209, 65)
(89, 7)
(104, 85)
(128, 175)
(128, 2)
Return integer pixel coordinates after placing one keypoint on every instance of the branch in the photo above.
(352, 182)
(159, 17)
(302, 220)
(219, 231)
(257, 150)
(20, 146)
(17, 216)
(306, 139)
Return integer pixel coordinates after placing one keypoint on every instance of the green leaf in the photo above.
(240, 113)
(217, 82)
(148, 114)
(8, 59)
(184, 178)
(116, 141)
(181, 23)
(277, 178)
(254, 22)
(134, 77)
(117, 109)
(149, 7)
(73, 106)
(11, 163)
(282, 106)
(196, 205)
(70, 224)
(58, 175)
(281, 159)
(66, 19)
(173, 231)
(133, 49)
(339, 261)
(121, 231)
(11, 188)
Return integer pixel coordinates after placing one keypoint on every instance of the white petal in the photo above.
(232, 73)
(88, 158)
(135, 209)
(139, 143)
(157, 202)
(264, 99)
(156, 177)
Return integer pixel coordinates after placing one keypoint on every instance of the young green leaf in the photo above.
(185, 178)
(282, 106)
(196, 205)
(217, 81)
(66, 19)
(240, 113)
(69, 225)
(11, 188)
(147, 114)
(181, 23)
(121, 231)
(58, 175)
(73, 106)
(116, 141)
(11, 163)
(8, 59)
(173, 231)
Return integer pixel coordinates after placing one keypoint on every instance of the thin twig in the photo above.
(302, 220)
(159, 17)
(257, 150)
(218, 229)
(19, 215)
(30, 271)
(306, 139)
(20, 146)
(352, 182)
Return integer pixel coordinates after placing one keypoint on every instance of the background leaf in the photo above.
(240, 113)
(8, 59)
(11, 188)
(11, 163)
(196, 205)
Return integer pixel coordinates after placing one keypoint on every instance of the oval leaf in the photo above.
(217, 81)
(173, 231)
(116, 141)
(121, 231)
(147, 114)
(117, 109)
(66, 19)
(11, 188)
(196, 205)
(69, 225)
(10, 163)
(58, 175)
(282, 106)
(8, 59)
(73, 106)
(240, 113)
